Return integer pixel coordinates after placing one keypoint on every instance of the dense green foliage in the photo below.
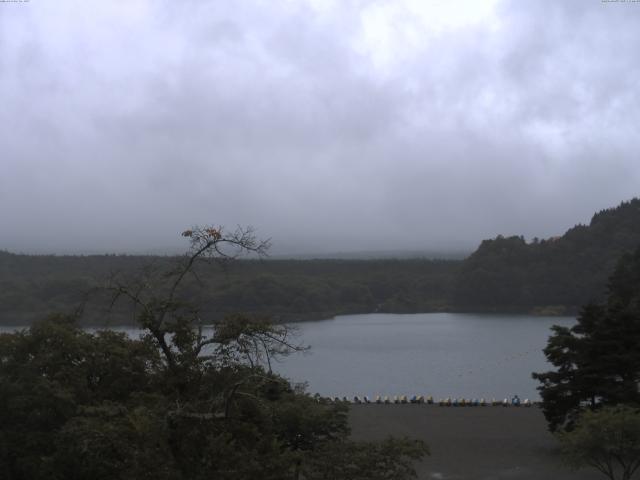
(607, 440)
(598, 360)
(78, 405)
(30, 286)
(174, 404)
(563, 272)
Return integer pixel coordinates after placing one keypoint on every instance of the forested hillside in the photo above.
(31, 286)
(551, 276)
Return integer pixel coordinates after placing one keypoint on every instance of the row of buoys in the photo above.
(443, 402)
(463, 402)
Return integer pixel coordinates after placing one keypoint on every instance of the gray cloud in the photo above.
(329, 126)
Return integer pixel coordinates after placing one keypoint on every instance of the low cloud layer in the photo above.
(327, 125)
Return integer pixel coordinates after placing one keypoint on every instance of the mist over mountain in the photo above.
(506, 274)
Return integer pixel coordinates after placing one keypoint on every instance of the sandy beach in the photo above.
(471, 443)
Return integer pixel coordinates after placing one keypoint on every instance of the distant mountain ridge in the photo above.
(431, 254)
(505, 274)
(550, 275)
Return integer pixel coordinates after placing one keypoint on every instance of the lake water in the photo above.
(438, 354)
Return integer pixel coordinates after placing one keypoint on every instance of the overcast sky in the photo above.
(328, 125)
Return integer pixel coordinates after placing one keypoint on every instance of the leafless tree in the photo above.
(176, 325)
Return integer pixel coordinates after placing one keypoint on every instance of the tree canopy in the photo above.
(597, 360)
(176, 403)
(607, 440)
(558, 274)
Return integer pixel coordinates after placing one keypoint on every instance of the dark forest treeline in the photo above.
(31, 286)
(557, 275)
(504, 274)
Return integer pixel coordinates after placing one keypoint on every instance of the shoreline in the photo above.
(21, 320)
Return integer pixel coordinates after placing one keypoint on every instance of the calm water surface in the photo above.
(439, 354)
